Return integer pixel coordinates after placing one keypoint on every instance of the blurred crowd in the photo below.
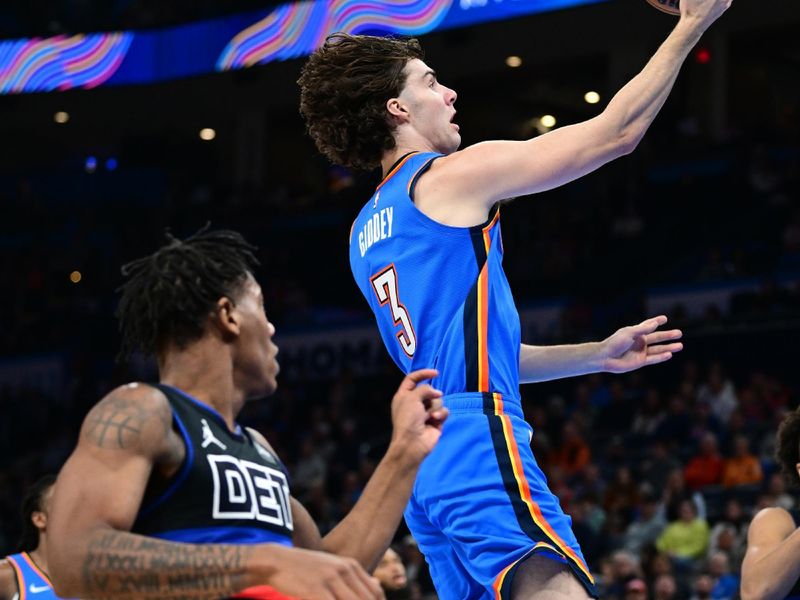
(661, 470)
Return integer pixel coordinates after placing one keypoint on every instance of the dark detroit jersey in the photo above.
(229, 489)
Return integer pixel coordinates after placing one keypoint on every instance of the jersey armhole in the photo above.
(420, 172)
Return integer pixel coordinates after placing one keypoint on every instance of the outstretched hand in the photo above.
(637, 346)
(417, 414)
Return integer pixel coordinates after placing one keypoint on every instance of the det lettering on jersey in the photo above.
(377, 228)
(247, 490)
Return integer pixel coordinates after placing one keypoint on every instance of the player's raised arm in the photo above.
(491, 171)
(417, 419)
(92, 553)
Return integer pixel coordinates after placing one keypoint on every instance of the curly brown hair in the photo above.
(787, 448)
(344, 87)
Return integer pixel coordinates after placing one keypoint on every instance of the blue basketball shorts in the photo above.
(481, 505)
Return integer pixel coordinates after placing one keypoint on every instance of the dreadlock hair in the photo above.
(344, 87)
(787, 448)
(33, 502)
(169, 294)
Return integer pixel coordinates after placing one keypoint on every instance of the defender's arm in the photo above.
(92, 553)
(770, 568)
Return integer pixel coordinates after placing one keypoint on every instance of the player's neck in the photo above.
(205, 372)
(406, 141)
(39, 556)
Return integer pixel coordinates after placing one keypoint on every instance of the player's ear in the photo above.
(39, 519)
(226, 318)
(397, 110)
(797, 466)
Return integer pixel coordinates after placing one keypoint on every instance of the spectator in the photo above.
(622, 495)
(647, 525)
(573, 453)
(743, 468)
(636, 589)
(665, 588)
(705, 468)
(391, 573)
(729, 535)
(726, 584)
(702, 587)
(718, 393)
(648, 416)
(685, 539)
(656, 468)
(776, 489)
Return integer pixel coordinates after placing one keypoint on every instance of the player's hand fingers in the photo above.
(426, 393)
(654, 359)
(437, 418)
(412, 379)
(677, 347)
(648, 326)
(349, 586)
(370, 585)
(663, 336)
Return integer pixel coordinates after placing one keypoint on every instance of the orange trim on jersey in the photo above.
(483, 310)
(36, 569)
(392, 173)
(21, 587)
(533, 508)
(498, 403)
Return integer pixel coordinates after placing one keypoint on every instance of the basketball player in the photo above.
(426, 252)
(771, 568)
(166, 496)
(24, 575)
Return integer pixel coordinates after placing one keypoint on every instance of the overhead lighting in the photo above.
(207, 134)
(61, 117)
(513, 61)
(548, 121)
(90, 166)
(75, 277)
(592, 97)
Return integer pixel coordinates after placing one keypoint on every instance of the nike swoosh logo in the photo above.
(37, 589)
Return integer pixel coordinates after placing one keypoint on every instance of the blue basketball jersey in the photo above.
(441, 300)
(439, 293)
(31, 581)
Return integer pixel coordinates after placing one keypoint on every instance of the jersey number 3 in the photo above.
(385, 285)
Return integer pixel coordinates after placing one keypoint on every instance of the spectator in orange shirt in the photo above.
(705, 468)
(573, 453)
(743, 467)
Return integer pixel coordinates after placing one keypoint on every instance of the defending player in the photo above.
(24, 575)
(166, 496)
(427, 254)
(771, 568)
